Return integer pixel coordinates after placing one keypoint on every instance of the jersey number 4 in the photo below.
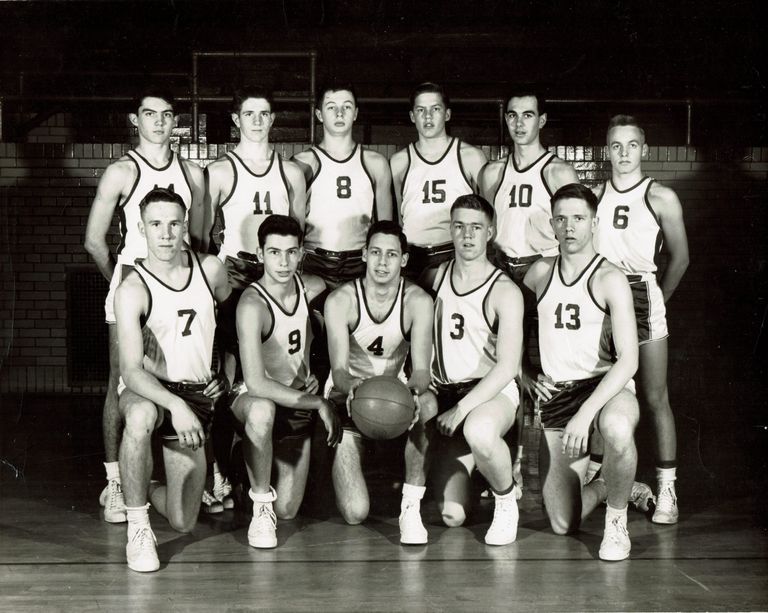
(377, 346)
(521, 195)
(258, 201)
(433, 191)
(190, 315)
(572, 313)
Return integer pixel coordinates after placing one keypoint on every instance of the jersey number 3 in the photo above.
(572, 312)
(458, 331)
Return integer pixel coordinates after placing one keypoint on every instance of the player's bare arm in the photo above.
(558, 173)
(472, 160)
(196, 211)
(114, 184)
(669, 211)
(398, 166)
(490, 179)
(377, 165)
(610, 288)
(308, 163)
(505, 306)
(131, 304)
(254, 321)
(418, 315)
(219, 179)
(297, 191)
(340, 311)
(314, 286)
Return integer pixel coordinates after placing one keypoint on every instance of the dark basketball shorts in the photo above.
(650, 311)
(289, 423)
(192, 394)
(516, 268)
(243, 270)
(421, 260)
(449, 395)
(335, 267)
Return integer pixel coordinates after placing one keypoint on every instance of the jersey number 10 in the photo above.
(521, 195)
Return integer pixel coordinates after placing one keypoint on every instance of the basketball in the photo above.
(382, 407)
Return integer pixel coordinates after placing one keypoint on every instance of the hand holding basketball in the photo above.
(382, 407)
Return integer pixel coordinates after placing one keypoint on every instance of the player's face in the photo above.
(337, 112)
(524, 120)
(163, 225)
(573, 224)
(255, 119)
(429, 115)
(384, 259)
(155, 120)
(281, 256)
(470, 230)
(626, 147)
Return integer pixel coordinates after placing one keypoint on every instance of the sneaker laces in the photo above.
(114, 496)
(265, 518)
(208, 498)
(504, 514)
(222, 488)
(144, 538)
(666, 500)
(616, 530)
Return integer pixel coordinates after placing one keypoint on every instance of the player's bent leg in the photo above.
(617, 422)
(349, 484)
(450, 474)
(257, 415)
(111, 497)
(179, 500)
(561, 483)
(291, 469)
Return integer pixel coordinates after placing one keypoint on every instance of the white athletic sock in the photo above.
(262, 498)
(509, 494)
(113, 471)
(665, 475)
(610, 513)
(138, 517)
(413, 493)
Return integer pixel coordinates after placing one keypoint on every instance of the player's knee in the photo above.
(618, 431)
(286, 510)
(259, 417)
(355, 513)
(427, 407)
(562, 526)
(656, 398)
(140, 418)
(182, 523)
(481, 437)
(453, 514)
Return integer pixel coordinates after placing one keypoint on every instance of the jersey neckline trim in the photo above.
(579, 276)
(629, 189)
(359, 282)
(449, 272)
(531, 165)
(442, 157)
(152, 166)
(190, 260)
(248, 170)
(263, 290)
(333, 159)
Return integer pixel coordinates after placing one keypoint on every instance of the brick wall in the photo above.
(715, 318)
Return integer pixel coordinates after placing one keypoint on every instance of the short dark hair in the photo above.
(334, 86)
(161, 194)
(387, 226)
(524, 93)
(153, 91)
(251, 91)
(281, 225)
(624, 120)
(430, 88)
(577, 191)
(474, 203)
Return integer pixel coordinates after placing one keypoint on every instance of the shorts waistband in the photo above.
(248, 257)
(524, 261)
(354, 253)
(184, 386)
(431, 249)
(457, 388)
(566, 385)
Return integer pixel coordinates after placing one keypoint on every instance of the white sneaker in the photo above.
(412, 530)
(141, 551)
(616, 544)
(262, 533)
(111, 498)
(641, 496)
(503, 529)
(210, 505)
(666, 504)
(222, 491)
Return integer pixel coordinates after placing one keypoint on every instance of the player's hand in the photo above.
(187, 426)
(312, 386)
(217, 386)
(419, 381)
(576, 435)
(544, 387)
(448, 422)
(351, 395)
(517, 475)
(416, 412)
(331, 422)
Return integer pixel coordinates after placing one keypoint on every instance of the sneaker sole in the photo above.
(262, 544)
(664, 521)
(144, 569)
(414, 541)
(614, 559)
(500, 543)
(116, 518)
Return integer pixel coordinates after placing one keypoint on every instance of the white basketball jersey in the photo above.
(180, 326)
(523, 210)
(429, 190)
(463, 340)
(378, 347)
(132, 244)
(575, 335)
(340, 203)
(253, 198)
(628, 231)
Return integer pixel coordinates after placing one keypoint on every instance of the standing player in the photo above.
(428, 176)
(121, 188)
(636, 215)
(520, 186)
(166, 320)
(372, 322)
(477, 343)
(585, 310)
(348, 188)
(276, 401)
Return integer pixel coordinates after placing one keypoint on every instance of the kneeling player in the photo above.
(276, 401)
(371, 322)
(477, 348)
(585, 305)
(166, 319)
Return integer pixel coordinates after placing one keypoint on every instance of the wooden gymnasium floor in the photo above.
(57, 554)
